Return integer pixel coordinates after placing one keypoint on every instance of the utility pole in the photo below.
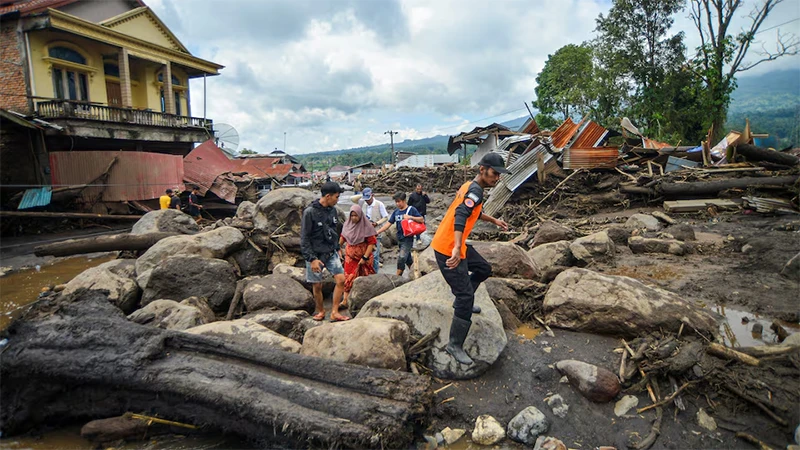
(284, 142)
(391, 139)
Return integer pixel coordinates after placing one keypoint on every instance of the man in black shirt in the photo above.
(175, 201)
(419, 199)
(194, 204)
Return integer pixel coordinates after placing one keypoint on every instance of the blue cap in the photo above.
(367, 194)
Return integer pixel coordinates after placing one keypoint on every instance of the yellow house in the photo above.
(85, 65)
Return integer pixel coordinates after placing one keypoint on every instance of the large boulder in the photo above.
(251, 262)
(682, 232)
(580, 299)
(366, 288)
(168, 314)
(116, 279)
(299, 274)
(619, 234)
(202, 305)
(218, 243)
(246, 332)
(277, 292)
(426, 304)
(640, 244)
(285, 323)
(508, 260)
(368, 341)
(181, 277)
(550, 231)
(595, 247)
(643, 221)
(282, 207)
(522, 297)
(246, 210)
(165, 221)
(595, 383)
(553, 254)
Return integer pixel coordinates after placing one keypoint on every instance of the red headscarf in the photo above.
(356, 233)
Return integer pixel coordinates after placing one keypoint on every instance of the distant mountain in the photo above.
(772, 103)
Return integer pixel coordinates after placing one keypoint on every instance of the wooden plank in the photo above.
(699, 205)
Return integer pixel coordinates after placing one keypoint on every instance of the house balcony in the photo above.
(89, 120)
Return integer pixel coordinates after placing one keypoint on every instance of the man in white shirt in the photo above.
(374, 210)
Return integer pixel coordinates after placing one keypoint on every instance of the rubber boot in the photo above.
(458, 334)
(475, 308)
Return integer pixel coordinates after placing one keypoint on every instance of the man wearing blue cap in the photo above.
(374, 210)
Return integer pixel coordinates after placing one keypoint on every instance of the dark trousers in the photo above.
(462, 283)
(404, 257)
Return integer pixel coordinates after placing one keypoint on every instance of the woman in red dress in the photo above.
(360, 237)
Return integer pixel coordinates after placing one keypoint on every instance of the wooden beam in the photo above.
(68, 215)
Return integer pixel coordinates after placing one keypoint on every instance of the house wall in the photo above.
(143, 28)
(13, 89)
(97, 11)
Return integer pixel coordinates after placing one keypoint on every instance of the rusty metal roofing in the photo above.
(204, 164)
(564, 133)
(133, 176)
(594, 158)
(590, 136)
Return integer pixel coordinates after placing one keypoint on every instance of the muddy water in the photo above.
(737, 332)
(23, 287)
(528, 331)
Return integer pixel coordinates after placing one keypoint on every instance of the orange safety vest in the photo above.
(444, 240)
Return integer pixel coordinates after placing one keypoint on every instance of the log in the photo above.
(65, 215)
(770, 350)
(725, 352)
(753, 153)
(79, 357)
(116, 242)
(714, 187)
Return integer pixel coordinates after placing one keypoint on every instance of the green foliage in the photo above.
(564, 86)
(247, 151)
(379, 155)
(547, 122)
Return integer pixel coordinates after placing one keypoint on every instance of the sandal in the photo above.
(343, 305)
(319, 316)
(339, 318)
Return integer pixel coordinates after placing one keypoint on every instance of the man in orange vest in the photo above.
(456, 259)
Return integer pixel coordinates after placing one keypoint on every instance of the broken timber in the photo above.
(117, 242)
(715, 187)
(679, 206)
(80, 357)
(64, 215)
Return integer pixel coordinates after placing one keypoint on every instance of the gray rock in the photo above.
(550, 231)
(246, 332)
(246, 210)
(282, 207)
(580, 299)
(595, 247)
(116, 279)
(277, 292)
(488, 431)
(706, 421)
(557, 404)
(181, 277)
(281, 322)
(619, 234)
(299, 332)
(644, 221)
(595, 383)
(625, 404)
(451, 436)
(299, 274)
(551, 443)
(218, 244)
(426, 304)
(366, 288)
(793, 339)
(522, 297)
(165, 221)
(663, 217)
(371, 342)
(792, 268)
(508, 260)
(168, 314)
(547, 256)
(640, 244)
(250, 261)
(526, 426)
(202, 305)
(681, 232)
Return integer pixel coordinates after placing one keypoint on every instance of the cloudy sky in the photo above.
(337, 74)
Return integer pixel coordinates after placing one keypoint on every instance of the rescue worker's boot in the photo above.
(458, 334)
(475, 308)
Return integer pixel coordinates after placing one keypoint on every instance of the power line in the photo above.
(779, 25)
(479, 120)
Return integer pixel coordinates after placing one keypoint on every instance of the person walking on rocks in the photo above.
(165, 199)
(194, 204)
(419, 199)
(456, 259)
(358, 239)
(175, 201)
(405, 243)
(374, 211)
(319, 244)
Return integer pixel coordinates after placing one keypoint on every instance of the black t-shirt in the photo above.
(193, 202)
(175, 202)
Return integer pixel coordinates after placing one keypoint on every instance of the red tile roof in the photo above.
(26, 7)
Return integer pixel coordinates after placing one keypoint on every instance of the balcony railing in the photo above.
(68, 109)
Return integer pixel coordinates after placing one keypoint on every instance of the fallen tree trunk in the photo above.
(753, 153)
(714, 187)
(68, 359)
(64, 215)
(116, 242)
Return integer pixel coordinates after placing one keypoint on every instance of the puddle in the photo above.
(738, 333)
(528, 332)
(23, 287)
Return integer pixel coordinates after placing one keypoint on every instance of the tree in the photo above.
(247, 151)
(721, 55)
(564, 85)
(637, 53)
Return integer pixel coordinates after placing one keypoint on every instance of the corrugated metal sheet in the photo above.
(590, 136)
(204, 164)
(564, 133)
(596, 158)
(521, 170)
(36, 197)
(134, 176)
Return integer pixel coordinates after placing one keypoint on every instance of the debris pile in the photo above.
(443, 179)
